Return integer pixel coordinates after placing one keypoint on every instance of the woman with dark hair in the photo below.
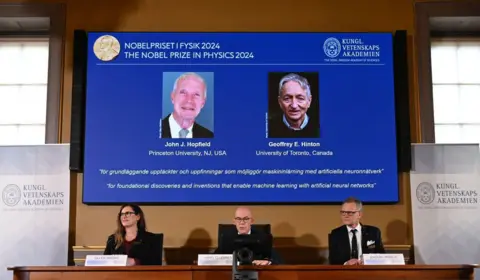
(131, 238)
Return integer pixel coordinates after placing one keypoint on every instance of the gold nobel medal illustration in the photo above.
(106, 48)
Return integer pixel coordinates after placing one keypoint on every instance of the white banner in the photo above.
(34, 209)
(445, 194)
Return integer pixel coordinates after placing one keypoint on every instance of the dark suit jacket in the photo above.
(339, 243)
(274, 258)
(147, 248)
(197, 130)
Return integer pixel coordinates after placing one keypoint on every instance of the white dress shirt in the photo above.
(175, 128)
(359, 238)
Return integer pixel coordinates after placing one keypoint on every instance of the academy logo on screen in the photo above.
(350, 50)
(106, 48)
(332, 47)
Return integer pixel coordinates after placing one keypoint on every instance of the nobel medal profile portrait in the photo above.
(293, 110)
(187, 105)
(106, 48)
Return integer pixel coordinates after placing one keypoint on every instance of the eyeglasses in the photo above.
(348, 213)
(126, 214)
(244, 219)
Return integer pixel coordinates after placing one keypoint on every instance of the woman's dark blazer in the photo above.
(147, 248)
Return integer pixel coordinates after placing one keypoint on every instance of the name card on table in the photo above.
(215, 259)
(106, 260)
(383, 259)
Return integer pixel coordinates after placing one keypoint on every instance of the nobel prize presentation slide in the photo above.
(188, 118)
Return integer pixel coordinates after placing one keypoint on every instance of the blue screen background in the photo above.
(125, 103)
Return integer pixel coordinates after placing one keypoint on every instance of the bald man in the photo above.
(243, 221)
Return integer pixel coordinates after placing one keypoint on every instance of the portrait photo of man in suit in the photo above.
(347, 243)
(184, 104)
(293, 105)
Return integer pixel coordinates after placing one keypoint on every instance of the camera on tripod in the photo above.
(250, 247)
(244, 256)
(245, 248)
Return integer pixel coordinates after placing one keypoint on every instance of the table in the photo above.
(283, 272)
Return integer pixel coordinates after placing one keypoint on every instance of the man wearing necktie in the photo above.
(347, 243)
(188, 98)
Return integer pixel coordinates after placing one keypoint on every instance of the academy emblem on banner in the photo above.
(11, 195)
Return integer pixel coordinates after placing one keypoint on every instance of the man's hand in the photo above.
(262, 262)
(130, 262)
(353, 262)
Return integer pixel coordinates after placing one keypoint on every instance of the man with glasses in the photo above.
(243, 221)
(347, 243)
